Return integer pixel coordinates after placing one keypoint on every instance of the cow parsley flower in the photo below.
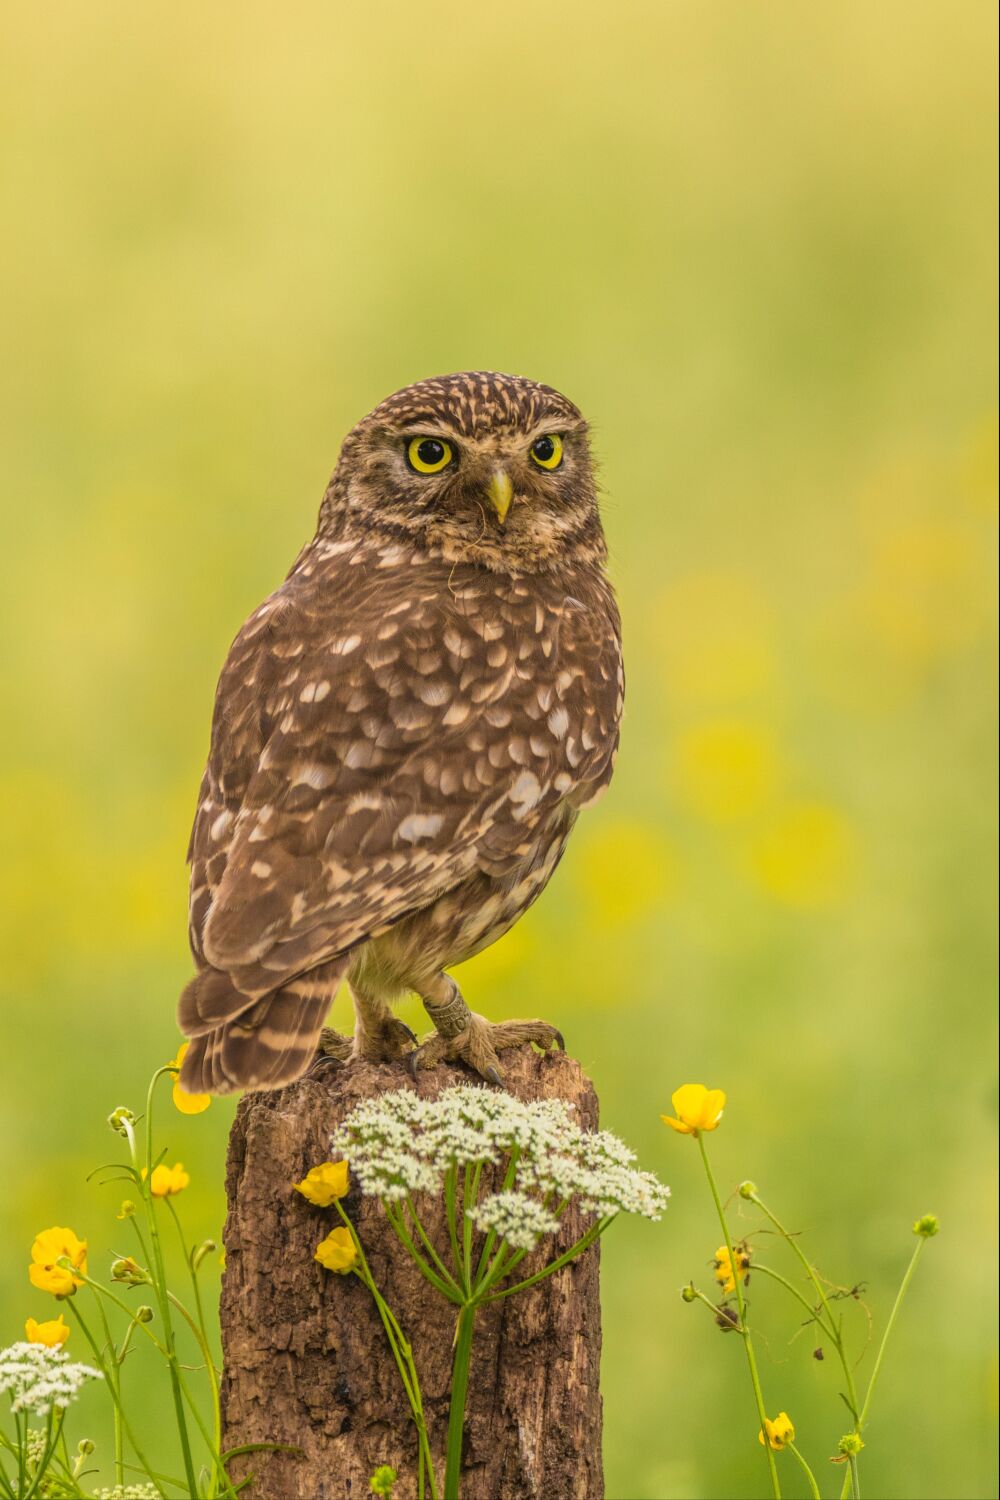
(38, 1378)
(399, 1144)
(128, 1492)
(518, 1218)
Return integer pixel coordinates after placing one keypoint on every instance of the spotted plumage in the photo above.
(404, 733)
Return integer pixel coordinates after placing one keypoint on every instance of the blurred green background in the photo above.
(755, 243)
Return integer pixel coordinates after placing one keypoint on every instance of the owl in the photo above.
(404, 734)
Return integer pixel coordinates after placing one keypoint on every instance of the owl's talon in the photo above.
(478, 1044)
(383, 1039)
(332, 1051)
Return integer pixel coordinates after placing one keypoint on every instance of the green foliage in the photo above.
(754, 243)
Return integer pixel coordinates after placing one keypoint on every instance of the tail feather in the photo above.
(208, 1000)
(269, 1043)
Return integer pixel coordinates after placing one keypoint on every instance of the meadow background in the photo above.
(755, 243)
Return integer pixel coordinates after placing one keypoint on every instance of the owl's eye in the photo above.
(428, 455)
(547, 451)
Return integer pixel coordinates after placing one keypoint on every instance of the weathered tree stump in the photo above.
(305, 1357)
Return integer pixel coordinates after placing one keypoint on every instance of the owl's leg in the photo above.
(379, 1036)
(461, 1035)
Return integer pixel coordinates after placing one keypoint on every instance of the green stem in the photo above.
(447, 1289)
(114, 1395)
(582, 1244)
(403, 1355)
(160, 1285)
(470, 1197)
(456, 1410)
(508, 1182)
(52, 1439)
(425, 1240)
(115, 1366)
(876, 1371)
(200, 1331)
(810, 1476)
(814, 1316)
(852, 1394)
(741, 1305)
(450, 1191)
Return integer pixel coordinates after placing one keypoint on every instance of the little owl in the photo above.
(404, 733)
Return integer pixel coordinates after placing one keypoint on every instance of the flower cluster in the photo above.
(399, 1144)
(129, 1491)
(38, 1378)
(520, 1219)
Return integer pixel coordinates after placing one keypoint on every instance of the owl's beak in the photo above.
(501, 493)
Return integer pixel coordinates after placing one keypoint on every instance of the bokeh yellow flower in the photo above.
(324, 1184)
(807, 856)
(697, 1108)
(625, 872)
(188, 1104)
(49, 1247)
(167, 1181)
(726, 769)
(780, 1432)
(337, 1251)
(723, 1265)
(53, 1334)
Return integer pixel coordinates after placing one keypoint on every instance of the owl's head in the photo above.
(483, 468)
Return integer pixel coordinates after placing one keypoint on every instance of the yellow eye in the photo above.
(428, 455)
(547, 451)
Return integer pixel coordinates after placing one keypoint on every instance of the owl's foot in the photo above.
(382, 1038)
(479, 1043)
(332, 1049)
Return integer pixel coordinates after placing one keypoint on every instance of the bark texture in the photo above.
(305, 1357)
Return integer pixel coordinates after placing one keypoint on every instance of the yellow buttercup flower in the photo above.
(52, 1334)
(49, 1247)
(698, 1108)
(188, 1104)
(724, 1265)
(167, 1181)
(337, 1252)
(324, 1184)
(780, 1432)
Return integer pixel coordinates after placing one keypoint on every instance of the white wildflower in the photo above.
(38, 1379)
(518, 1218)
(399, 1144)
(129, 1492)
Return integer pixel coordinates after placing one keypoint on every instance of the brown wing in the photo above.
(383, 727)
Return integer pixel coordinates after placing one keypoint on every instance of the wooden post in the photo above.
(305, 1357)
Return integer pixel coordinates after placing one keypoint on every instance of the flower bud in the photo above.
(129, 1271)
(688, 1293)
(127, 1210)
(119, 1118)
(85, 1447)
(926, 1227)
(850, 1443)
(144, 1314)
(205, 1248)
(747, 1189)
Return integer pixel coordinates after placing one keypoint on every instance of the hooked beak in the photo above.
(500, 493)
